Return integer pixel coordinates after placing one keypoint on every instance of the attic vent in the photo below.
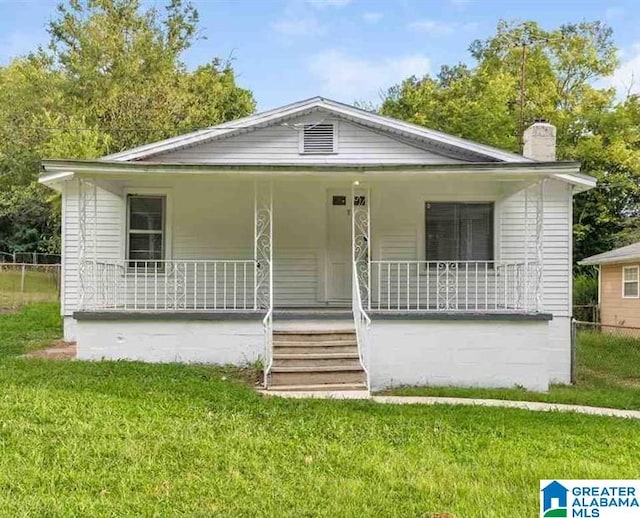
(318, 138)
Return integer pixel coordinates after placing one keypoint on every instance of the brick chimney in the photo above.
(540, 141)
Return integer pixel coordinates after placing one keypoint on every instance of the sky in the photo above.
(348, 50)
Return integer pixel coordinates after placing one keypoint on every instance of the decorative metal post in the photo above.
(540, 246)
(529, 250)
(87, 240)
(533, 246)
(263, 247)
(361, 240)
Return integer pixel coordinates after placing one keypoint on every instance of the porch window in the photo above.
(459, 231)
(145, 230)
(630, 282)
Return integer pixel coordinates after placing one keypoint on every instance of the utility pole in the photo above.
(524, 44)
(523, 90)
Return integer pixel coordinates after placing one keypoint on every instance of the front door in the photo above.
(339, 247)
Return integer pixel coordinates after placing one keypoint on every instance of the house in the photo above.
(618, 285)
(340, 247)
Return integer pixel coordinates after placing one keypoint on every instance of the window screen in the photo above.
(459, 231)
(146, 230)
(630, 281)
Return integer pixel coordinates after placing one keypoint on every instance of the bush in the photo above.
(585, 290)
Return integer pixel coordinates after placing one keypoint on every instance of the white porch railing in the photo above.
(453, 286)
(362, 324)
(170, 285)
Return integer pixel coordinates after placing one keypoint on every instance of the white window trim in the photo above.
(336, 131)
(422, 228)
(637, 281)
(168, 218)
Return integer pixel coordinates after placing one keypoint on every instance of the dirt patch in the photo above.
(59, 350)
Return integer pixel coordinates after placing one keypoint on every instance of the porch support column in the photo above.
(533, 246)
(539, 278)
(263, 247)
(361, 240)
(87, 241)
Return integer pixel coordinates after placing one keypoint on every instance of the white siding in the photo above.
(108, 241)
(213, 219)
(274, 144)
(556, 242)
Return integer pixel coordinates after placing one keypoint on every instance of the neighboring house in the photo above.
(341, 247)
(618, 285)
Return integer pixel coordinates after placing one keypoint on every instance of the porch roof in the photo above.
(56, 171)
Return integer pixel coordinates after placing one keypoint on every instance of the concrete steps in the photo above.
(316, 360)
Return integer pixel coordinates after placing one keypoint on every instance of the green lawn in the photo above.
(38, 286)
(129, 439)
(608, 375)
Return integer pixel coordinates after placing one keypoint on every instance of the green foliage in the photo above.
(110, 78)
(562, 68)
(585, 289)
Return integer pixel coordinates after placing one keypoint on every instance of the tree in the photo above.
(124, 72)
(111, 77)
(482, 103)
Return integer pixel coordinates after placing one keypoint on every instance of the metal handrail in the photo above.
(362, 324)
(267, 324)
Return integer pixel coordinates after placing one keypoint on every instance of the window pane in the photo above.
(146, 212)
(630, 274)
(145, 246)
(476, 232)
(630, 289)
(459, 231)
(442, 235)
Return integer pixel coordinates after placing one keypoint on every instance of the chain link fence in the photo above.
(597, 327)
(605, 355)
(29, 258)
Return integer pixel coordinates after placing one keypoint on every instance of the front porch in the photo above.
(224, 269)
(306, 244)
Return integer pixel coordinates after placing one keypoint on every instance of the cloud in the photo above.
(440, 27)
(352, 78)
(321, 4)
(290, 26)
(626, 78)
(372, 17)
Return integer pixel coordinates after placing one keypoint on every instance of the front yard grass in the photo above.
(607, 375)
(132, 439)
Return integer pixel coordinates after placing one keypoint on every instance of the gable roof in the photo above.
(392, 126)
(623, 254)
